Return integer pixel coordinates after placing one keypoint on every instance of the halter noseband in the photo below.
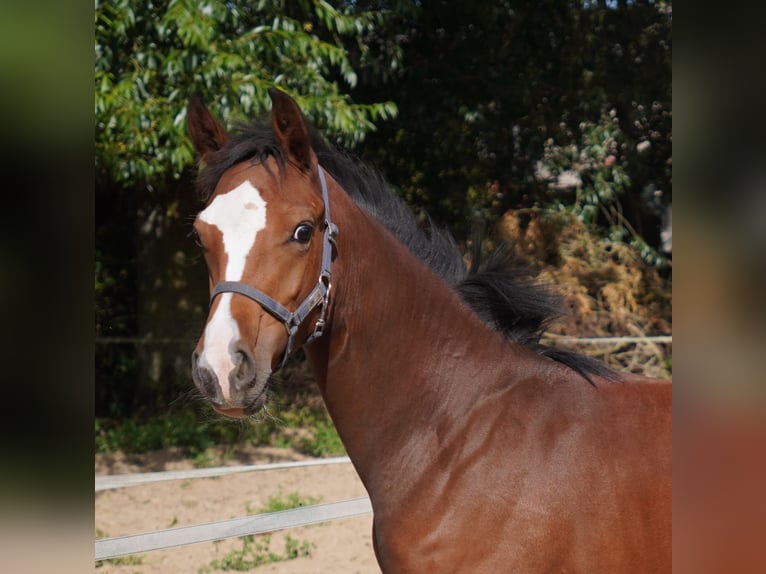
(320, 294)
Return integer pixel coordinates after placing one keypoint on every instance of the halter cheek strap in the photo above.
(320, 294)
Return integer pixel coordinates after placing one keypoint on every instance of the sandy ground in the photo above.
(341, 546)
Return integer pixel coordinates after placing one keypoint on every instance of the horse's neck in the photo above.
(403, 356)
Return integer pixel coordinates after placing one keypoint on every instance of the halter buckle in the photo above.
(320, 324)
(332, 232)
(318, 329)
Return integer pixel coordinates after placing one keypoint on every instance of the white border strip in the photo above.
(106, 482)
(107, 548)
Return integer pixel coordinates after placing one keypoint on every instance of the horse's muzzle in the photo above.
(245, 392)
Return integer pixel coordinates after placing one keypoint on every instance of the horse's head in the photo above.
(266, 237)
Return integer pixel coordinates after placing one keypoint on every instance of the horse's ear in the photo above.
(206, 133)
(291, 129)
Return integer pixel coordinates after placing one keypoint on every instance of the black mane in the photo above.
(503, 293)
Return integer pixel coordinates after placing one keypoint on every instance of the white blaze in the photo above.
(239, 215)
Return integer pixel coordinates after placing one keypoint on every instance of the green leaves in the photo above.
(152, 55)
(486, 84)
(589, 174)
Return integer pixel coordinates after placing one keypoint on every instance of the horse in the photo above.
(481, 449)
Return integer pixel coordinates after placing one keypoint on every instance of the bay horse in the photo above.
(481, 449)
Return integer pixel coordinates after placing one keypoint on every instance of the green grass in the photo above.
(279, 501)
(196, 430)
(185, 429)
(323, 442)
(257, 550)
(121, 561)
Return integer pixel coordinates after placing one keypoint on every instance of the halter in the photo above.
(320, 294)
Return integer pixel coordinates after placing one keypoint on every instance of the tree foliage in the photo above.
(469, 108)
(489, 89)
(151, 55)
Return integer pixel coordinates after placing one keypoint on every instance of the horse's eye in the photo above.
(303, 233)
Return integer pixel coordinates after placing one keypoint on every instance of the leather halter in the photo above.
(320, 294)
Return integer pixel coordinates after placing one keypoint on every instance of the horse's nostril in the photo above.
(244, 368)
(240, 360)
(206, 381)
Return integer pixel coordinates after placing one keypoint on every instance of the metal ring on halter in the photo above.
(320, 294)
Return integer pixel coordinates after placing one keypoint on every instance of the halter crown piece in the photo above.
(320, 294)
